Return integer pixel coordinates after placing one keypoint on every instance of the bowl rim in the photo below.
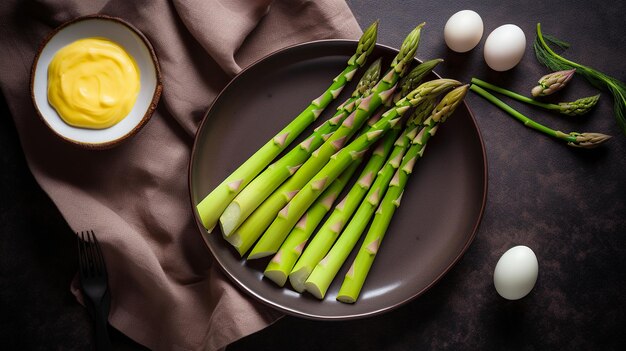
(155, 96)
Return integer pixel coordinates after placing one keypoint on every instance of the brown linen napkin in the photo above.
(167, 294)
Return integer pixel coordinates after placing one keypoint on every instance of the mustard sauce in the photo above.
(93, 83)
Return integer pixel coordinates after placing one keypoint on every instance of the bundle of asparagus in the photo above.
(212, 206)
(326, 269)
(359, 269)
(277, 208)
(278, 269)
(257, 223)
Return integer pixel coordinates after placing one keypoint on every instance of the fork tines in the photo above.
(90, 258)
(93, 280)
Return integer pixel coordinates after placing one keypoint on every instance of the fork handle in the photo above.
(103, 343)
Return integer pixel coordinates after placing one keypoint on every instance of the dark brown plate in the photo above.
(441, 207)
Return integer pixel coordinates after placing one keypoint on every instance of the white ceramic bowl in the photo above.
(135, 43)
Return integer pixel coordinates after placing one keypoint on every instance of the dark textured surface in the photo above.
(568, 205)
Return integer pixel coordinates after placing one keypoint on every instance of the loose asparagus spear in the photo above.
(249, 231)
(574, 108)
(280, 265)
(600, 80)
(582, 140)
(333, 226)
(263, 185)
(354, 279)
(553, 82)
(212, 206)
(288, 216)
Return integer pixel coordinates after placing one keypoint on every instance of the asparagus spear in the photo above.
(333, 226)
(263, 185)
(574, 108)
(575, 139)
(212, 206)
(354, 279)
(280, 265)
(288, 216)
(249, 231)
(553, 82)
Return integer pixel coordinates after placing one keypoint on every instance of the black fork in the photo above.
(94, 284)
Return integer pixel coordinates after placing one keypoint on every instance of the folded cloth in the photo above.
(167, 294)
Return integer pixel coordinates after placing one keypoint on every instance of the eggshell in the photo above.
(516, 273)
(504, 47)
(463, 31)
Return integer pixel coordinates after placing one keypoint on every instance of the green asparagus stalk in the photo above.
(212, 206)
(553, 82)
(288, 216)
(325, 270)
(244, 237)
(280, 265)
(408, 83)
(574, 108)
(317, 283)
(354, 279)
(263, 185)
(575, 139)
(328, 233)
(300, 234)
(254, 226)
(333, 226)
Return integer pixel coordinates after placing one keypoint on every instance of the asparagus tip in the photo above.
(372, 27)
(580, 106)
(552, 82)
(588, 140)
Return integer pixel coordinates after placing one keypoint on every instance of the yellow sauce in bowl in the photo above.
(93, 83)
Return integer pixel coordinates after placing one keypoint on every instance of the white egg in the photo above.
(463, 31)
(516, 273)
(504, 47)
